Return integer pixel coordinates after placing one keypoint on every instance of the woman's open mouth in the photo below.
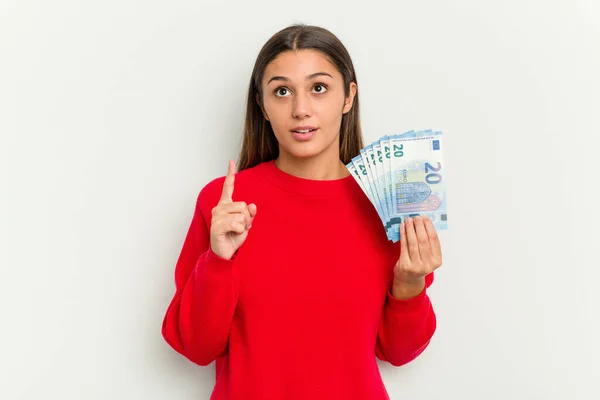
(304, 134)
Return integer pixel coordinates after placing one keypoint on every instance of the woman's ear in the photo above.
(350, 99)
(261, 106)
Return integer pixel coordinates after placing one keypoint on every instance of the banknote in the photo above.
(403, 175)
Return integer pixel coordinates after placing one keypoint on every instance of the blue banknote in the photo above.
(403, 175)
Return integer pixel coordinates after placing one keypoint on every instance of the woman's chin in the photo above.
(303, 151)
(308, 149)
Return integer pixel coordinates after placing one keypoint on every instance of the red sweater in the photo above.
(304, 307)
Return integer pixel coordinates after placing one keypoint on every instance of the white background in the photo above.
(113, 115)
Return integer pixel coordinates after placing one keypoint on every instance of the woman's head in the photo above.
(303, 76)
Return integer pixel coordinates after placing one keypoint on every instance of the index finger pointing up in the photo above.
(227, 195)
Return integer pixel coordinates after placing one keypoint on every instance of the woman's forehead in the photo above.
(298, 65)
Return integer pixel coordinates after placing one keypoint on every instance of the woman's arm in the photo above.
(408, 321)
(198, 320)
(406, 327)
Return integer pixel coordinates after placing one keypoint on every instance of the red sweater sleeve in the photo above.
(406, 327)
(199, 317)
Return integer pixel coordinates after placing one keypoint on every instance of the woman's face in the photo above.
(302, 90)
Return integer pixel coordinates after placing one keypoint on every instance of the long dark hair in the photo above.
(259, 142)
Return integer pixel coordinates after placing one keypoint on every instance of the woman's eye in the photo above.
(323, 88)
(281, 92)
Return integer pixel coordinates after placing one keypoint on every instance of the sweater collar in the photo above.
(308, 187)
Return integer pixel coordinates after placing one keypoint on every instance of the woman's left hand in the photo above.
(420, 252)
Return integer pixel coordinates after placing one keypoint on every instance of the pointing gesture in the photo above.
(226, 196)
(231, 220)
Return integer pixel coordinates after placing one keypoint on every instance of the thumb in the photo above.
(252, 211)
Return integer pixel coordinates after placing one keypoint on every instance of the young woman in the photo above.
(286, 277)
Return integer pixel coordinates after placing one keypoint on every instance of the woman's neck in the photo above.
(320, 167)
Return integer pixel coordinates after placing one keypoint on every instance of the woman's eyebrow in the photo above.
(311, 76)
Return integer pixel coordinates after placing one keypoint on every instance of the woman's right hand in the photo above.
(231, 220)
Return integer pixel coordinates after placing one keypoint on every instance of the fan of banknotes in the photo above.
(403, 176)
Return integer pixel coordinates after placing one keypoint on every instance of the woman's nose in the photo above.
(301, 107)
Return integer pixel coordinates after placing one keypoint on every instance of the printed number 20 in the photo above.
(433, 177)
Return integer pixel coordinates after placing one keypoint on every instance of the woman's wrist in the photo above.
(403, 290)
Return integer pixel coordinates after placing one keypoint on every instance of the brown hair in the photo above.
(259, 142)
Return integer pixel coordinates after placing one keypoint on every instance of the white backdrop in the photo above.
(114, 114)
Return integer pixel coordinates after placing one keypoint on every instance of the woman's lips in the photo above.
(304, 136)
